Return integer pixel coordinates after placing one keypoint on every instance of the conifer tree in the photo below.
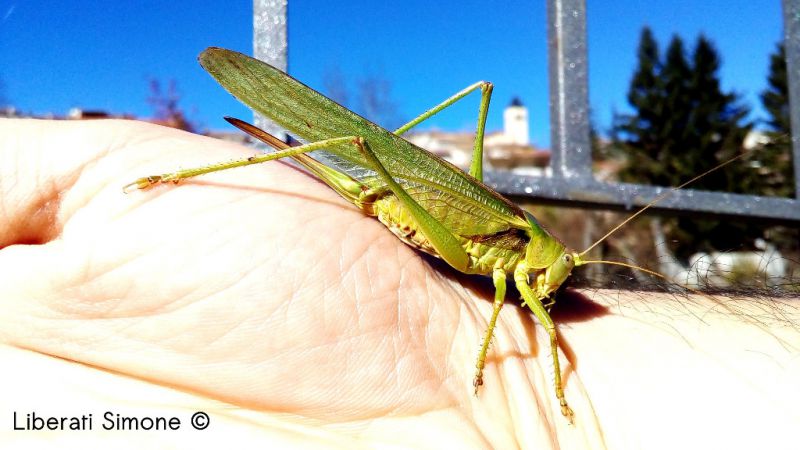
(774, 158)
(776, 97)
(684, 123)
(646, 97)
(717, 125)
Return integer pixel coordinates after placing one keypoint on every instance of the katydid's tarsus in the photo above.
(425, 201)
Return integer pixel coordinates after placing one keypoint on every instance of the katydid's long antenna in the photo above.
(662, 197)
(630, 266)
(653, 273)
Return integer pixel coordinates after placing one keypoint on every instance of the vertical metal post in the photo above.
(270, 44)
(791, 40)
(569, 92)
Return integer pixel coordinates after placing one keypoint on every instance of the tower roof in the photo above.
(516, 102)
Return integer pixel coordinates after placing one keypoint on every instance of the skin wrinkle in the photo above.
(396, 328)
(397, 354)
(440, 307)
(347, 270)
(362, 256)
(172, 343)
(394, 373)
(119, 266)
(251, 270)
(431, 312)
(221, 293)
(448, 355)
(49, 339)
(424, 326)
(66, 288)
(417, 341)
(90, 276)
(359, 299)
(71, 179)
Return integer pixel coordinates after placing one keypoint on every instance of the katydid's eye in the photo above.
(567, 259)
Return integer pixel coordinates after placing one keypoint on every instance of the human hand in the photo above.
(261, 289)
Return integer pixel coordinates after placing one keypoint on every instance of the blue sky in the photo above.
(57, 54)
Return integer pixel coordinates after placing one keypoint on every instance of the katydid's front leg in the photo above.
(534, 302)
(476, 167)
(499, 279)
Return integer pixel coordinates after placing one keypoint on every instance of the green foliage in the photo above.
(685, 124)
(776, 97)
(774, 158)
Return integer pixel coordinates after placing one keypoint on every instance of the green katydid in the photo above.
(427, 202)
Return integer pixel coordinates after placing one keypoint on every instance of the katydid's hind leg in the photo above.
(499, 278)
(476, 166)
(345, 185)
(174, 177)
(535, 304)
(443, 241)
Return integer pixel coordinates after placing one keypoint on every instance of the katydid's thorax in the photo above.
(504, 249)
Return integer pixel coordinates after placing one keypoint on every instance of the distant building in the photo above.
(88, 114)
(515, 126)
(9, 112)
(509, 149)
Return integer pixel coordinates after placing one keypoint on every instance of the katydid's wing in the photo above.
(460, 202)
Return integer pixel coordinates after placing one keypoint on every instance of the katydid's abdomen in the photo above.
(503, 249)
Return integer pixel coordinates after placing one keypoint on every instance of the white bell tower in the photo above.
(515, 122)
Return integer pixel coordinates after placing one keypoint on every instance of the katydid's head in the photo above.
(561, 268)
(559, 271)
(548, 257)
